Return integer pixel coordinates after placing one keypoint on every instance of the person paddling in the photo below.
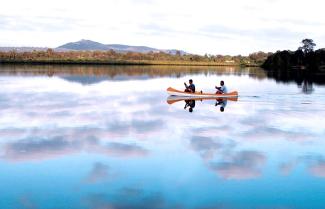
(190, 88)
(222, 89)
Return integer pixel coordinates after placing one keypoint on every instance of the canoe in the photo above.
(174, 92)
(174, 99)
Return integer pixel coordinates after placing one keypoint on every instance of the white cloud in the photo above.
(215, 27)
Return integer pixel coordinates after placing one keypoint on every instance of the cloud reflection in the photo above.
(38, 149)
(122, 150)
(205, 146)
(286, 168)
(98, 173)
(142, 201)
(242, 165)
(315, 164)
(125, 117)
(27, 203)
(41, 149)
(318, 169)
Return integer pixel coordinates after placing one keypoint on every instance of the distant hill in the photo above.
(84, 45)
(88, 45)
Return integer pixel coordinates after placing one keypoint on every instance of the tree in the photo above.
(308, 45)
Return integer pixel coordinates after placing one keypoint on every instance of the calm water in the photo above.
(105, 137)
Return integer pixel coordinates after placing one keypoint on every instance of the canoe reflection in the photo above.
(191, 101)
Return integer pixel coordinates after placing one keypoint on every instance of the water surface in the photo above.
(98, 137)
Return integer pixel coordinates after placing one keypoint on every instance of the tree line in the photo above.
(304, 58)
(52, 56)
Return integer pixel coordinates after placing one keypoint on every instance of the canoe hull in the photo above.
(174, 92)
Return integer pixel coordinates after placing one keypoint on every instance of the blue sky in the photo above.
(206, 26)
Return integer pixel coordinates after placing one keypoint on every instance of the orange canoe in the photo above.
(174, 92)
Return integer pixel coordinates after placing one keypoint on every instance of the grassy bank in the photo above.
(130, 58)
(122, 62)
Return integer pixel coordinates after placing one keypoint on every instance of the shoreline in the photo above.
(136, 63)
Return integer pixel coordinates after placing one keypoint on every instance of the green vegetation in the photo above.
(303, 65)
(307, 45)
(130, 58)
(305, 58)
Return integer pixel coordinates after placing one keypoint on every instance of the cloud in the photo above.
(37, 23)
(237, 27)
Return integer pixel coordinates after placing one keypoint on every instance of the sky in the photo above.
(208, 26)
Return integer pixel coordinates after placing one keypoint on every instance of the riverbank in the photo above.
(288, 61)
(124, 62)
(130, 58)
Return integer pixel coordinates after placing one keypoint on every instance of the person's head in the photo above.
(190, 109)
(222, 109)
(222, 83)
(190, 81)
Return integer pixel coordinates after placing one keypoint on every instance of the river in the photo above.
(100, 137)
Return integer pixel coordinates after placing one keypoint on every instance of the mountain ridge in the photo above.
(89, 45)
(84, 45)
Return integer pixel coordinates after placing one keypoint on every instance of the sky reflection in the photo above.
(116, 143)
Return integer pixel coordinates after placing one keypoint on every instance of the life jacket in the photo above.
(192, 87)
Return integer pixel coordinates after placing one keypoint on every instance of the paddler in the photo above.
(222, 89)
(190, 88)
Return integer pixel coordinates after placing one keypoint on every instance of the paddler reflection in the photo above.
(222, 102)
(190, 104)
